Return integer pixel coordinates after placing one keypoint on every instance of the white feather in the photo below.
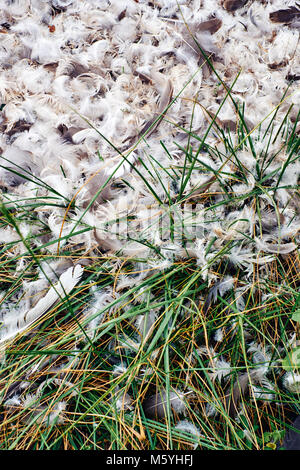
(13, 325)
(278, 248)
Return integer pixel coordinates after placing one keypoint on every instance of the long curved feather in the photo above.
(16, 324)
(277, 248)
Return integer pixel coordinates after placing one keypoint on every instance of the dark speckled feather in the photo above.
(232, 5)
(285, 15)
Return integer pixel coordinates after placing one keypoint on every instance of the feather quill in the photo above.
(13, 325)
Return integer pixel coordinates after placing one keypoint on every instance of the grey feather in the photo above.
(220, 288)
(292, 437)
(156, 405)
(240, 388)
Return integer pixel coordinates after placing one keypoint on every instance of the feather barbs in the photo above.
(21, 321)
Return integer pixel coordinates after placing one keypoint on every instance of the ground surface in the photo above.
(149, 223)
